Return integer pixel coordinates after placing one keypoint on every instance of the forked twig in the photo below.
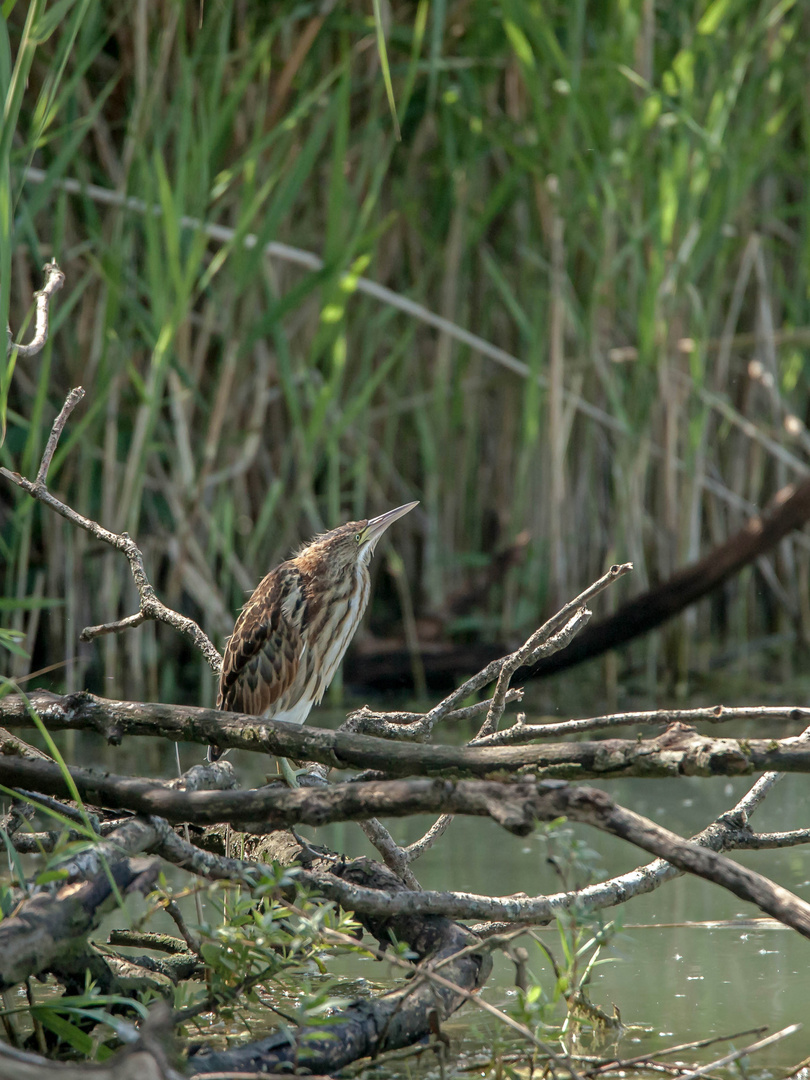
(541, 643)
(394, 857)
(150, 606)
(492, 671)
(549, 638)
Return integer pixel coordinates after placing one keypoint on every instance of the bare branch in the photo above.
(418, 848)
(173, 910)
(406, 725)
(521, 732)
(680, 751)
(394, 857)
(129, 622)
(769, 1040)
(515, 806)
(150, 606)
(54, 280)
(750, 841)
(492, 671)
(71, 401)
(508, 909)
(541, 643)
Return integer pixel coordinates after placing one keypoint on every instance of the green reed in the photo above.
(613, 194)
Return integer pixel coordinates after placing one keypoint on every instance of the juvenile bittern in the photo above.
(293, 631)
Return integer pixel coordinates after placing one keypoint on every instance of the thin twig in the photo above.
(177, 915)
(129, 622)
(541, 643)
(418, 848)
(71, 401)
(400, 725)
(521, 732)
(491, 672)
(677, 752)
(737, 1054)
(55, 279)
(698, 1044)
(150, 606)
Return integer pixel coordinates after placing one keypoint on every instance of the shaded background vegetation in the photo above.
(614, 195)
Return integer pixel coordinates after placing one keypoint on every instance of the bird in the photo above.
(294, 630)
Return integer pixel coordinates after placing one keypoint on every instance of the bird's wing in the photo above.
(263, 653)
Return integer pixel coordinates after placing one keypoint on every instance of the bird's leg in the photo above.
(315, 774)
(289, 773)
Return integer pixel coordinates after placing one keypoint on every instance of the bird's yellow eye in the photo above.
(358, 537)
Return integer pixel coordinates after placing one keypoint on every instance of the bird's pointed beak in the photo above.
(377, 526)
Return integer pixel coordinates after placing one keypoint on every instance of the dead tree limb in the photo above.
(46, 929)
(516, 807)
(150, 606)
(788, 510)
(210, 862)
(679, 751)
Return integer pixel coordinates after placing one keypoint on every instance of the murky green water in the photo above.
(680, 982)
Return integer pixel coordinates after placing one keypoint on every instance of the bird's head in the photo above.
(350, 545)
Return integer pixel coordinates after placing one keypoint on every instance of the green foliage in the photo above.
(259, 949)
(258, 937)
(84, 1022)
(564, 1010)
(10, 640)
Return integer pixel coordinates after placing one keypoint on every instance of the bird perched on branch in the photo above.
(293, 631)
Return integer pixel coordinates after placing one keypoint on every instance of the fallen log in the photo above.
(788, 510)
(47, 930)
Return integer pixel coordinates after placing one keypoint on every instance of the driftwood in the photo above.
(49, 931)
(517, 807)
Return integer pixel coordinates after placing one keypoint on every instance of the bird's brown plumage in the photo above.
(293, 631)
(262, 655)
